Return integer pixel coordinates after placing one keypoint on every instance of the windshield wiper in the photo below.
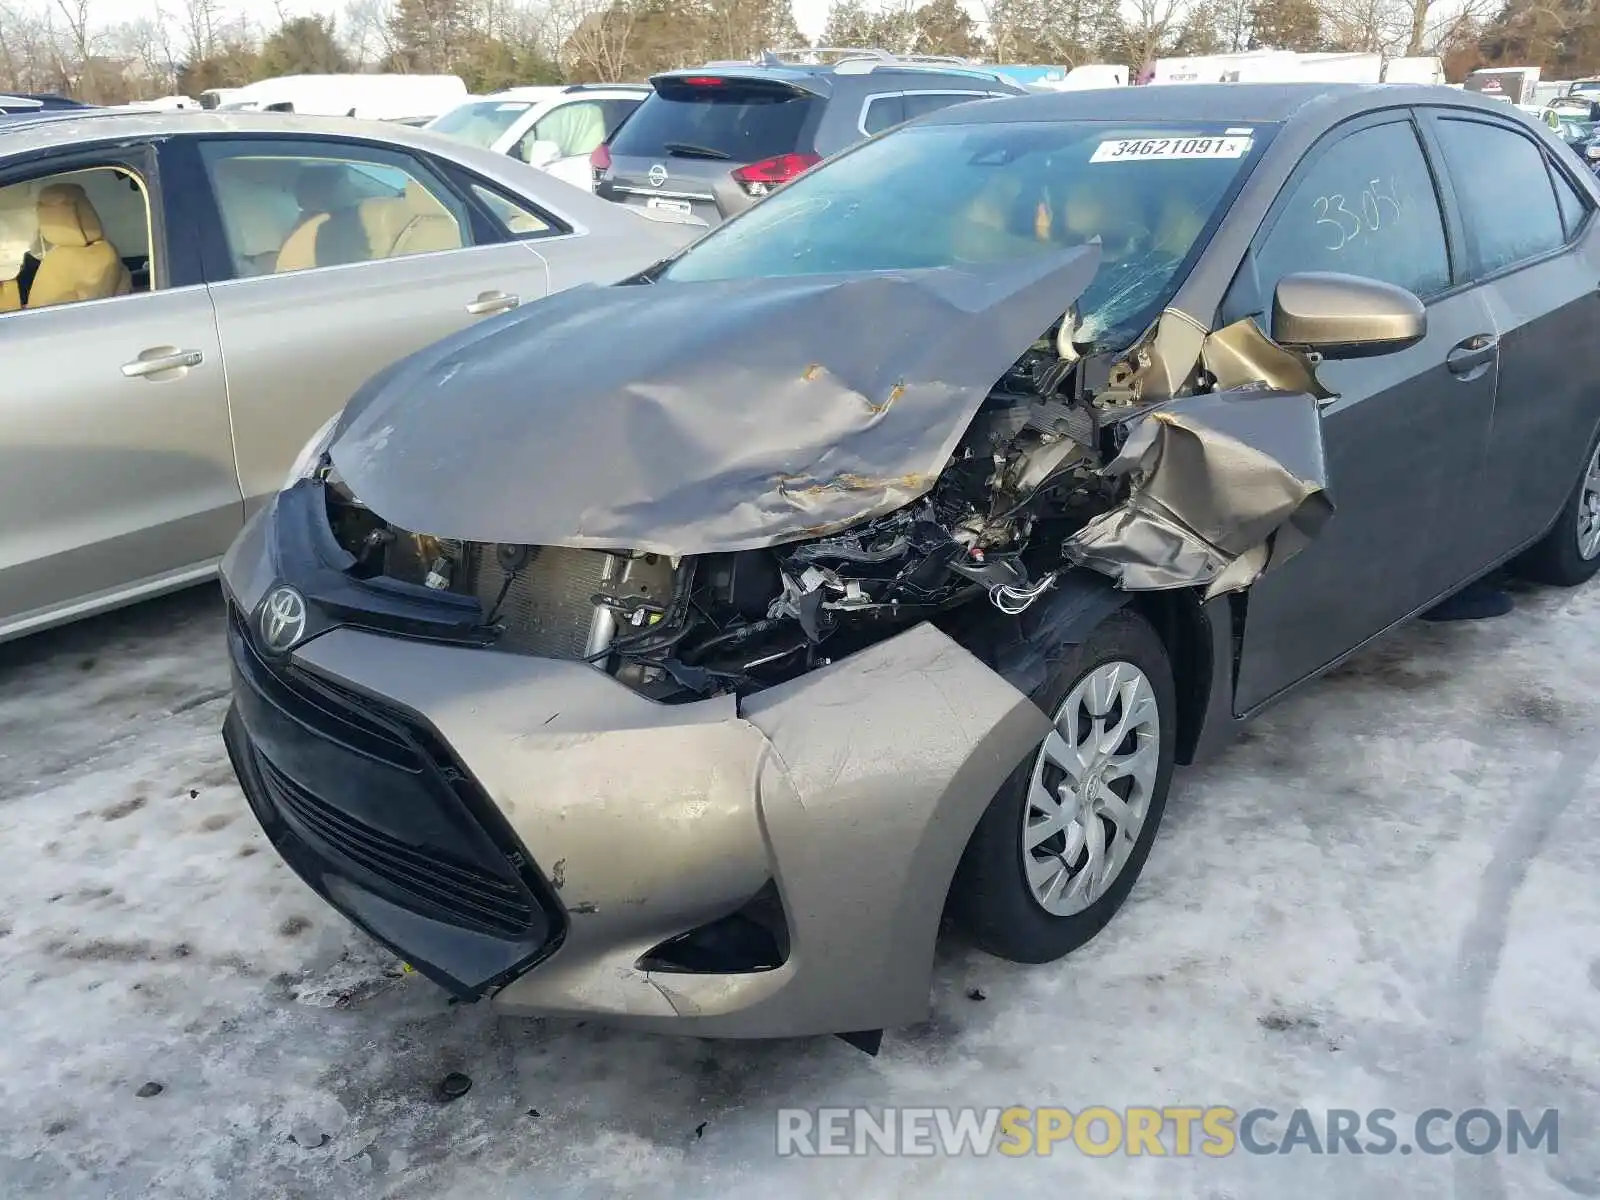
(690, 150)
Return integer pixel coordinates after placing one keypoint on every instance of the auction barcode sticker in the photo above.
(1145, 149)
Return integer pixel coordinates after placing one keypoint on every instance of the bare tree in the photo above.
(535, 28)
(199, 20)
(145, 44)
(1435, 23)
(367, 28)
(1368, 26)
(76, 14)
(27, 58)
(600, 33)
(1151, 26)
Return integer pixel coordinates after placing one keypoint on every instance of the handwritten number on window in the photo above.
(1335, 232)
(1345, 226)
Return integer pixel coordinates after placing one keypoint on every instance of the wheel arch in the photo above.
(1198, 636)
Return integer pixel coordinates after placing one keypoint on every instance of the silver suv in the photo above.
(710, 141)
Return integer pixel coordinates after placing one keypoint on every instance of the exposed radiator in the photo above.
(550, 604)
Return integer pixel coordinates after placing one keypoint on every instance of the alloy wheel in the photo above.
(1093, 779)
(1589, 510)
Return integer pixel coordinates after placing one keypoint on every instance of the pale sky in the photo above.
(809, 15)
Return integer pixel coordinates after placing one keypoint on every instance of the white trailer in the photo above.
(1270, 66)
(1338, 68)
(1093, 75)
(1423, 69)
(1247, 66)
(1515, 85)
(371, 97)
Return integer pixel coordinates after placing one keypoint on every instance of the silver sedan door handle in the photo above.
(161, 359)
(493, 302)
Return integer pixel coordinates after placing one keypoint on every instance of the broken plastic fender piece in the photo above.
(1225, 486)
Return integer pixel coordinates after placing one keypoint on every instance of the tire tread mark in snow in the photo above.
(1478, 1177)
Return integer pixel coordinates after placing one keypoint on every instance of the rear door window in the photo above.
(296, 206)
(1574, 207)
(883, 112)
(919, 104)
(574, 128)
(618, 110)
(1503, 188)
(716, 119)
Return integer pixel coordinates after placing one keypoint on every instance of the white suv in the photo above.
(554, 128)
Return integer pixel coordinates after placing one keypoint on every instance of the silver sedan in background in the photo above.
(186, 297)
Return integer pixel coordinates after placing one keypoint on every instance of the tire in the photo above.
(993, 897)
(1570, 553)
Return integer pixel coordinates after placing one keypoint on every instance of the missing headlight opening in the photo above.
(1075, 460)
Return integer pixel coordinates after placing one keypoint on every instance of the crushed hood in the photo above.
(697, 417)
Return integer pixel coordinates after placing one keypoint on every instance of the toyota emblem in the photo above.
(283, 619)
(657, 176)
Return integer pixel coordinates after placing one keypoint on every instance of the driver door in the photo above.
(1405, 436)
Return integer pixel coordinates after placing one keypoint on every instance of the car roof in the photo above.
(551, 90)
(1267, 103)
(532, 92)
(23, 136)
(32, 132)
(821, 79)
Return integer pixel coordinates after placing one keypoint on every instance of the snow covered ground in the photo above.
(1385, 897)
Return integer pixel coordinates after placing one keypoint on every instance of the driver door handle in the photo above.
(493, 302)
(1466, 357)
(161, 359)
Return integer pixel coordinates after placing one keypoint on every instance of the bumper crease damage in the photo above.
(874, 770)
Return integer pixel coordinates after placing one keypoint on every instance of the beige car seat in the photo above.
(415, 223)
(320, 192)
(78, 262)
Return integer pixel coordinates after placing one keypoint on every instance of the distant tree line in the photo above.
(111, 51)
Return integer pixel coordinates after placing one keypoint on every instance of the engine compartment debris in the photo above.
(1069, 458)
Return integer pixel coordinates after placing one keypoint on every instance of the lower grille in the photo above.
(549, 604)
(459, 892)
(368, 806)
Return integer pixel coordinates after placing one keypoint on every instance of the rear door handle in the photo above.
(493, 302)
(1466, 357)
(161, 359)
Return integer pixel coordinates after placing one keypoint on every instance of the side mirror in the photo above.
(541, 154)
(1345, 316)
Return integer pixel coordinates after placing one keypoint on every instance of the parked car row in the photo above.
(709, 141)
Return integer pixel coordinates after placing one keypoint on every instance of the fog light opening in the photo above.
(755, 938)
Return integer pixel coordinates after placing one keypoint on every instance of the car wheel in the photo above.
(1570, 553)
(1059, 848)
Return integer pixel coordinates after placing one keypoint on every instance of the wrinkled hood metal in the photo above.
(1223, 486)
(691, 418)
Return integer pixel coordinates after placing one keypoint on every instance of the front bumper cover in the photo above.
(618, 824)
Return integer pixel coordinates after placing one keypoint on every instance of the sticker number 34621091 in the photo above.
(1145, 149)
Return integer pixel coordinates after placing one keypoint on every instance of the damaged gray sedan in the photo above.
(678, 653)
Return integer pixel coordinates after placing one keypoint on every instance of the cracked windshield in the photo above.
(967, 195)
